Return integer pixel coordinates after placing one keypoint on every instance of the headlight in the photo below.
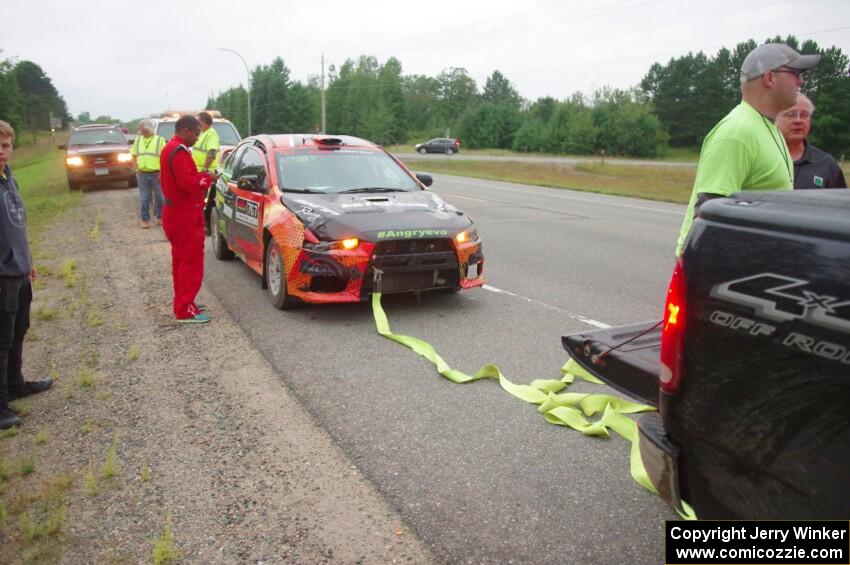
(125, 157)
(348, 244)
(470, 234)
(74, 161)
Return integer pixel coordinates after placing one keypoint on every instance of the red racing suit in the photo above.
(183, 190)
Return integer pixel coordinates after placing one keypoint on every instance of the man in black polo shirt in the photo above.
(16, 274)
(813, 168)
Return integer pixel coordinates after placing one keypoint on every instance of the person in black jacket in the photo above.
(16, 275)
(813, 167)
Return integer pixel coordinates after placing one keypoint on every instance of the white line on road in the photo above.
(579, 317)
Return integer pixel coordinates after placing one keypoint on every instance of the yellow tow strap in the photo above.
(566, 409)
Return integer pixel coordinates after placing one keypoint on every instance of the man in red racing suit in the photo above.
(183, 190)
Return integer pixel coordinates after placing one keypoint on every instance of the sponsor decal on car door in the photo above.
(246, 225)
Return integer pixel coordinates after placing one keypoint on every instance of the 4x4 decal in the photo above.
(783, 299)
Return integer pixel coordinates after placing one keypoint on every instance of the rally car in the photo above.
(317, 216)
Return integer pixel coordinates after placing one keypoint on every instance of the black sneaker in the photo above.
(31, 387)
(8, 418)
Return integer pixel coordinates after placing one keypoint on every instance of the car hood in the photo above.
(377, 216)
(94, 149)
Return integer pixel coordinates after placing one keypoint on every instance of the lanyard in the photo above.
(781, 152)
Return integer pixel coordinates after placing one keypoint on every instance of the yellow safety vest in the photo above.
(147, 150)
(207, 141)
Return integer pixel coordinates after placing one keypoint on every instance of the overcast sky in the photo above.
(132, 59)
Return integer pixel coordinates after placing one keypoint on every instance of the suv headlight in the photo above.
(74, 161)
(125, 157)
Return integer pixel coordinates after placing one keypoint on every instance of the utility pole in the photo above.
(324, 116)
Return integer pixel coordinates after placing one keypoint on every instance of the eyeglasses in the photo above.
(797, 73)
(802, 114)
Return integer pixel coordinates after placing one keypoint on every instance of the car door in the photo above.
(226, 185)
(248, 187)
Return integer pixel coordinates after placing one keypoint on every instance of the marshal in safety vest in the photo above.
(147, 150)
(207, 141)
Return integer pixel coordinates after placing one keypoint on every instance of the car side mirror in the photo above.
(425, 179)
(62, 147)
(250, 183)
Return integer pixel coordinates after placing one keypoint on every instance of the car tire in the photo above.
(276, 278)
(73, 185)
(422, 150)
(219, 244)
(450, 151)
(133, 182)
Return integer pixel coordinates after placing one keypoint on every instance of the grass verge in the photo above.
(672, 154)
(668, 184)
(40, 171)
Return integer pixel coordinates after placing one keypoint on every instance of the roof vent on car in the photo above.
(328, 141)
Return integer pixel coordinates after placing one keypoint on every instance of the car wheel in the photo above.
(219, 244)
(449, 151)
(276, 278)
(422, 150)
(73, 185)
(133, 182)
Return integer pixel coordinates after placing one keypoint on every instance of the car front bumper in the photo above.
(101, 174)
(348, 276)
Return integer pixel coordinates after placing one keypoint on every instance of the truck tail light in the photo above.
(673, 332)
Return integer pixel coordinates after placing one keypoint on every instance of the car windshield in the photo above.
(97, 137)
(341, 170)
(226, 132)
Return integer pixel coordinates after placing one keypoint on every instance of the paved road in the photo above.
(478, 474)
(543, 159)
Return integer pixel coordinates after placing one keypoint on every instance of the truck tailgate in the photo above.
(632, 368)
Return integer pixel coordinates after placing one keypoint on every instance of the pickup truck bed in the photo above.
(759, 427)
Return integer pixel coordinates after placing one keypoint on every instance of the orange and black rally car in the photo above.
(318, 215)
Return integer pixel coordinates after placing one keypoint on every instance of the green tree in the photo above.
(543, 108)
(392, 102)
(571, 129)
(421, 94)
(233, 105)
(489, 125)
(304, 107)
(627, 124)
(499, 90)
(42, 98)
(582, 134)
(529, 136)
(11, 99)
(692, 93)
(685, 93)
(458, 92)
(269, 93)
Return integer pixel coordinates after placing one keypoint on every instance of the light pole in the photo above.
(248, 73)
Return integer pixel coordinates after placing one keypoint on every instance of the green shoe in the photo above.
(198, 319)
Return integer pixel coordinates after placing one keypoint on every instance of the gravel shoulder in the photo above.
(166, 442)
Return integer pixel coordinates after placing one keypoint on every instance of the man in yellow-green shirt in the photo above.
(145, 150)
(206, 149)
(745, 150)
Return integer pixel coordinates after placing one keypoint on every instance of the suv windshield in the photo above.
(339, 170)
(225, 130)
(97, 137)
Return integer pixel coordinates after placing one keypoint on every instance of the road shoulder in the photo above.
(204, 438)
